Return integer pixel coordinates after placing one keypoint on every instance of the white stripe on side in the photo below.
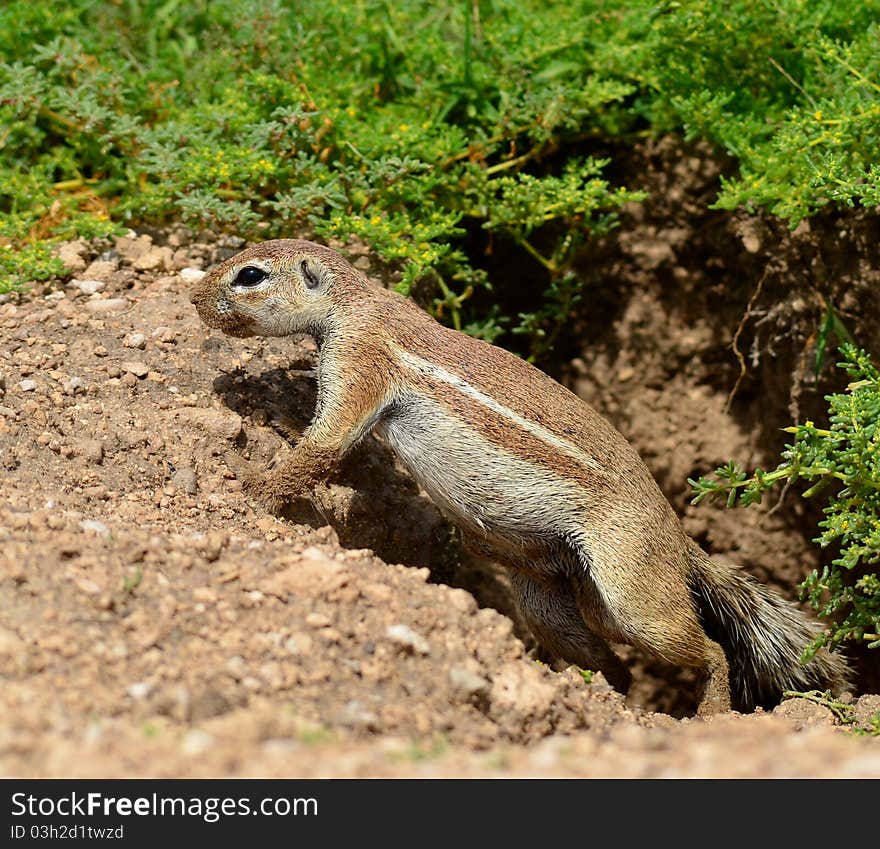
(430, 369)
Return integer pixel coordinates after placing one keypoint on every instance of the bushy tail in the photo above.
(762, 635)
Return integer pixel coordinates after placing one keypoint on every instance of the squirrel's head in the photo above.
(276, 288)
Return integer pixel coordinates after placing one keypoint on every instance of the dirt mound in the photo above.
(153, 623)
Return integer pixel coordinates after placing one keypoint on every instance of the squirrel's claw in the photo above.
(269, 491)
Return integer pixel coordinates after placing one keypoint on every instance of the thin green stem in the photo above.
(467, 42)
(547, 263)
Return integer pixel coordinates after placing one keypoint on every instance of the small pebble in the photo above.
(318, 620)
(72, 255)
(91, 450)
(100, 269)
(406, 638)
(468, 684)
(192, 275)
(196, 741)
(164, 334)
(223, 423)
(185, 480)
(107, 305)
(155, 257)
(89, 287)
(139, 690)
(74, 385)
(136, 368)
(356, 715)
(95, 527)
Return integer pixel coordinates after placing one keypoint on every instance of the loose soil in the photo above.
(153, 622)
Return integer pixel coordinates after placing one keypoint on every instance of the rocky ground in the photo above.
(154, 623)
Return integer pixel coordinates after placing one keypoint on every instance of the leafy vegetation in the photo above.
(844, 712)
(789, 88)
(394, 122)
(410, 124)
(842, 462)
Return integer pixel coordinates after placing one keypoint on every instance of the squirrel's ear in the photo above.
(314, 274)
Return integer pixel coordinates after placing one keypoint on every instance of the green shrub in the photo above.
(410, 123)
(391, 121)
(842, 464)
(791, 89)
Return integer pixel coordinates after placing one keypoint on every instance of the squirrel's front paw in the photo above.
(268, 489)
(258, 488)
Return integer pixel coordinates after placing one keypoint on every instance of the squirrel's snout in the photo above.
(198, 293)
(218, 313)
(203, 298)
(206, 305)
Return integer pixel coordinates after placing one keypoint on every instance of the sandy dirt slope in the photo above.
(152, 622)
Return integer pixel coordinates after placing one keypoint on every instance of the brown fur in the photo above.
(535, 477)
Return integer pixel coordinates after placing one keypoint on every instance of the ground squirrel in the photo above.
(534, 477)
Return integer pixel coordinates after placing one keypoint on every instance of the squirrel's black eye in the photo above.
(250, 275)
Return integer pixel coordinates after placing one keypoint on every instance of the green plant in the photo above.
(843, 711)
(415, 125)
(401, 124)
(789, 89)
(586, 674)
(132, 580)
(842, 464)
(315, 735)
(425, 750)
(579, 203)
(150, 730)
